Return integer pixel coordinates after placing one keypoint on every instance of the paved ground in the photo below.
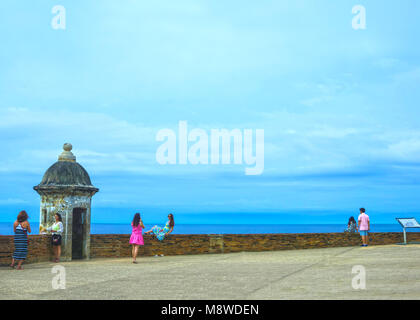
(392, 272)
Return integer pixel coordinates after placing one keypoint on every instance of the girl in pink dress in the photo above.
(136, 238)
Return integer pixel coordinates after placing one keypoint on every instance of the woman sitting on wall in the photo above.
(351, 226)
(161, 233)
(57, 230)
(21, 228)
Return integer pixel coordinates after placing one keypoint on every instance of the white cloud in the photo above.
(410, 77)
(386, 63)
(12, 201)
(97, 139)
(405, 149)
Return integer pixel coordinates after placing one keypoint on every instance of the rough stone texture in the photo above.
(116, 245)
(66, 173)
(66, 186)
(39, 249)
(64, 203)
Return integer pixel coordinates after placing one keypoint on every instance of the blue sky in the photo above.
(339, 107)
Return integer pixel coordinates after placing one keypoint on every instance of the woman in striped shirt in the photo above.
(21, 227)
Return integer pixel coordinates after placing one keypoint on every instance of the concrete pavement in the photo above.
(392, 272)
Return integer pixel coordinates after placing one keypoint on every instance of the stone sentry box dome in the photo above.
(66, 189)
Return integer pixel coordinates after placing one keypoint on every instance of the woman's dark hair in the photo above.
(136, 219)
(352, 220)
(59, 217)
(171, 220)
(22, 216)
(362, 210)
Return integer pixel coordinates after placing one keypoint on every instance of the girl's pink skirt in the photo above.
(137, 239)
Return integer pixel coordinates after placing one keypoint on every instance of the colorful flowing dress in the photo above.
(21, 243)
(161, 232)
(136, 235)
(351, 227)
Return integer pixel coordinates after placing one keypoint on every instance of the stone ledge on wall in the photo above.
(117, 245)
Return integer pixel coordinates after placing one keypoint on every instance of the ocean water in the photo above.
(108, 228)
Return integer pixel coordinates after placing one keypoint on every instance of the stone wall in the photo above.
(116, 245)
(64, 202)
(39, 249)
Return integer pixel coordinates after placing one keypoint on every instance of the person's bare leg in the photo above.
(19, 266)
(13, 263)
(367, 239)
(136, 248)
(58, 253)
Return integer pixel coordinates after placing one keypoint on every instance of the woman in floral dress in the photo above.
(160, 232)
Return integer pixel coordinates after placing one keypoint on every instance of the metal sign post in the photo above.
(407, 223)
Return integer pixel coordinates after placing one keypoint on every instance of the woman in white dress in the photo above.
(56, 229)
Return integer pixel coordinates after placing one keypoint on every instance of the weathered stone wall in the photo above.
(116, 245)
(64, 203)
(39, 249)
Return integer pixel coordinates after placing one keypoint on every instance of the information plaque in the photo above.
(408, 223)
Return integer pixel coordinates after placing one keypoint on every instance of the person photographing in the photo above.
(56, 230)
